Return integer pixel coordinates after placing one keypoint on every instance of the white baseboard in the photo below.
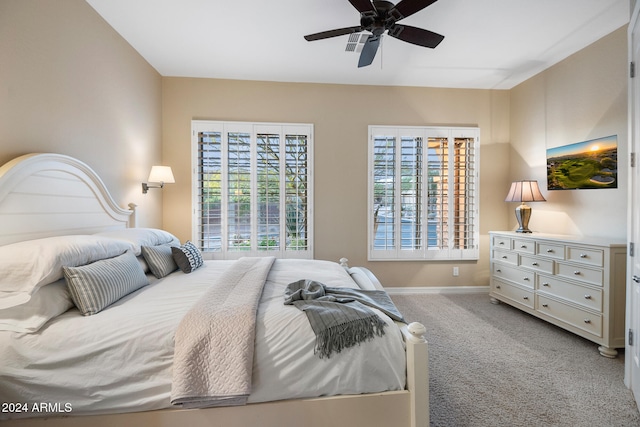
(438, 290)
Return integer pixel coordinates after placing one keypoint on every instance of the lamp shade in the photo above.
(161, 174)
(524, 191)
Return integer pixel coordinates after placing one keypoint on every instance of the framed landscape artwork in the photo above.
(588, 164)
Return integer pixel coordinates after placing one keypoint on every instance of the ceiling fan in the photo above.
(380, 16)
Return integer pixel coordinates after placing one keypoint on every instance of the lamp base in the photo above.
(523, 214)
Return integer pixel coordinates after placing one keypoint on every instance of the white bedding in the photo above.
(120, 359)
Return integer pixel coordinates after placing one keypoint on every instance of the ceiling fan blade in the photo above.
(369, 51)
(364, 6)
(333, 33)
(408, 7)
(415, 35)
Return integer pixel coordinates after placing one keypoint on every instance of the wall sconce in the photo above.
(159, 176)
(524, 191)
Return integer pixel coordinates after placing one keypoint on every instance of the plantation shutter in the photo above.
(253, 189)
(422, 193)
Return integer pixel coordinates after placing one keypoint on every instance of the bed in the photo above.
(49, 376)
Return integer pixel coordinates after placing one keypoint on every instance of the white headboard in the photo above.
(43, 195)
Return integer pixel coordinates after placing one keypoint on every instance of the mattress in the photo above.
(120, 360)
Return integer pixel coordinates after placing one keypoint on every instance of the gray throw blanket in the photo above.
(339, 316)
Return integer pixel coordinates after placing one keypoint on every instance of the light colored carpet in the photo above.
(493, 365)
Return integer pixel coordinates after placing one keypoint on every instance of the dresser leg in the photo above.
(494, 300)
(611, 353)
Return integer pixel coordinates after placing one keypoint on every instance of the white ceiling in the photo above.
(489, 44)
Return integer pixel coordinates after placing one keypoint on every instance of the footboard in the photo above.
(417, 373)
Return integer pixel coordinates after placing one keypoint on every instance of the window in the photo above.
(423, 193)
(253, 189)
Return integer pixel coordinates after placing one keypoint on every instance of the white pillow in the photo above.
(45, 304)
(26, 266)
(139, 237)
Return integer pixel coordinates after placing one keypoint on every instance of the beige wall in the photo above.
(581, 98)
(340, 115)
(70, 84)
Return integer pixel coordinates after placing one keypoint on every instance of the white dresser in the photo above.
(577, 283)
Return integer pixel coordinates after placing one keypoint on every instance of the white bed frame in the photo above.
(43, 195)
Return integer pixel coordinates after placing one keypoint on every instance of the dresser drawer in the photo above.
(504, 256)
(593, 257)
(588, 297)
(550, 250)
(582, 319)
(502, 242)
(513, 293)
(536, 263)
(524, 246)
(584, 274)
(513, 274)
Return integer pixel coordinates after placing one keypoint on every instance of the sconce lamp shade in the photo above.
(159, 176)
(524, 191)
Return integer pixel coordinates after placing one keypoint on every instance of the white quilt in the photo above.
(120, 360)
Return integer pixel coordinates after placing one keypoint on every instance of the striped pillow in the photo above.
(160, 260)
(97, 285)
(187, 256)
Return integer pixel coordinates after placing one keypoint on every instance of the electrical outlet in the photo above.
(456, 272)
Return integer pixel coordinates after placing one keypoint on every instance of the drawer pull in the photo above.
(504, 257)
(583, 255)
(501, 243)
(577, 272)
(587, 296)
(523, 246)
(535, 264)
(497, 286)
(587, 321)
(498, 270)
(526, 279)
(549, 251)
(545, 284)
(525, 297)
(545, 305)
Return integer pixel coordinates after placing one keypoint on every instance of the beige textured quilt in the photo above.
(214, 342)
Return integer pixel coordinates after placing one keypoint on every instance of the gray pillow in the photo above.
(99, 284)
(159, 259)
(188, 257)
